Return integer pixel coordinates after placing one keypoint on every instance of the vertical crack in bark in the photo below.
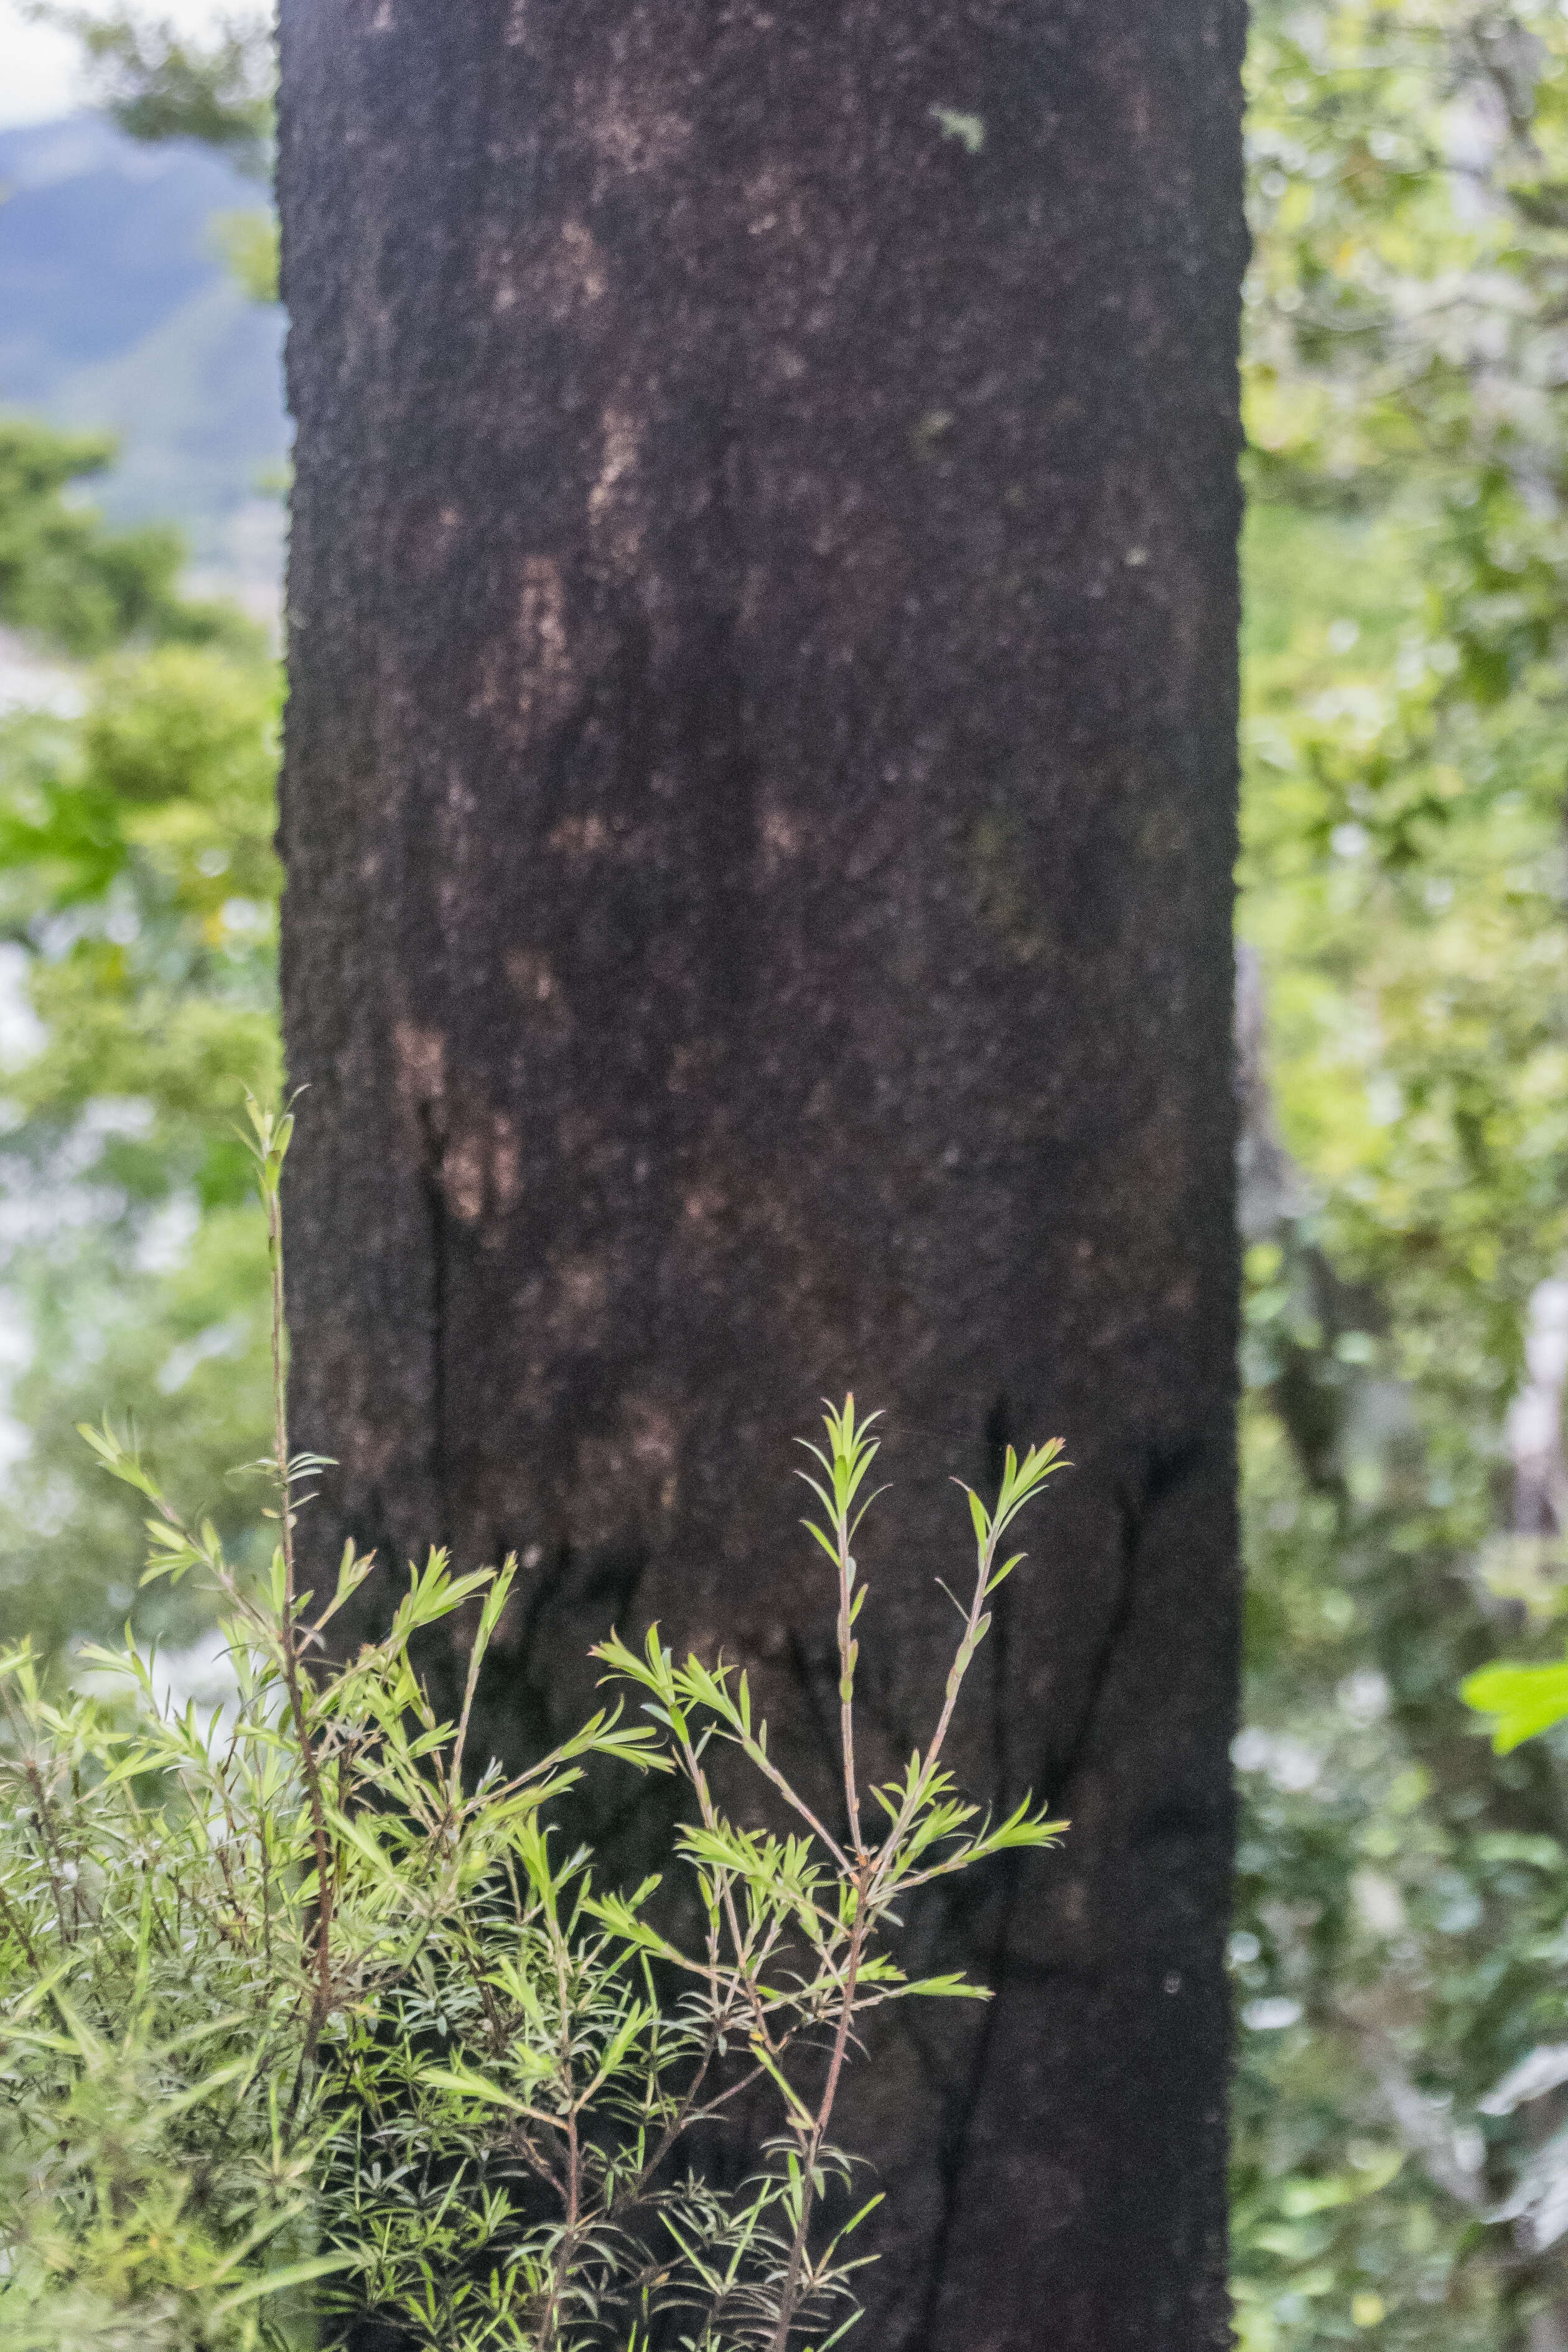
(436, 1209)
(952, 2144)
(1132, 1515)
(961, 2107)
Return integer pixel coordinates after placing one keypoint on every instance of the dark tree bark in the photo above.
(758, 812)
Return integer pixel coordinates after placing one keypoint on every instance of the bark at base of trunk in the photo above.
(758, 812)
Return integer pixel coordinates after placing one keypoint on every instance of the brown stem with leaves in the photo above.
(848, 1654)
(812, 2148)
(985, 1561)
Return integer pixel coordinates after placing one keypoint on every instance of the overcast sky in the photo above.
(39, 75)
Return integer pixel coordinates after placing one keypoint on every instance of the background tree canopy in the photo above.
(137, 894)
(1398, 1934)
(1399, 1948)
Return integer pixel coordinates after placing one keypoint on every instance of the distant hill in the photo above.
(116, 313)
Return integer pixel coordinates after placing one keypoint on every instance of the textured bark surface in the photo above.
(758, 812)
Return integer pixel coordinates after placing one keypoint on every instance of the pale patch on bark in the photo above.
(531, 974)
(580, 836)
(616, 513)
(561, 279)
(781, 838)
(421, 1056)
(629, 129)
(480, 1172)
(585, 272)
(532, 670)
(704, 1204)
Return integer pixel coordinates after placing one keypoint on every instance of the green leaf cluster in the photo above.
(304, 2020)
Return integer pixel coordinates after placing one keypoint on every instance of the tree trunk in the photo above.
(758, 809)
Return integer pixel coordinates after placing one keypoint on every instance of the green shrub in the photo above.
(299, 2018)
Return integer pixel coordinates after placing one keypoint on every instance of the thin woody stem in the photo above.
(765, 1764)
(744, 1966)
(910, 1806)
(847, 1687)
(813, 2149)
(455, 1776)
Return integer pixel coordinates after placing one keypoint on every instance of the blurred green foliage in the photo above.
(138, 888)
(247, 241)
(71, 584)
(1399, 1942)
(159, 80)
